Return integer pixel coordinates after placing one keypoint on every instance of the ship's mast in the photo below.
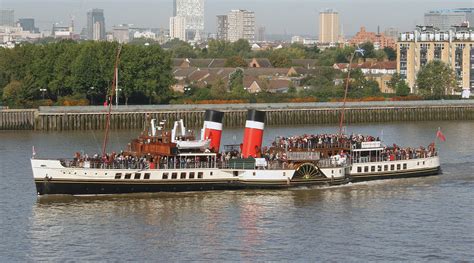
(343, 109)
(110, 99)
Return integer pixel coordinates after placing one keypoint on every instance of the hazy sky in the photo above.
(278, 16)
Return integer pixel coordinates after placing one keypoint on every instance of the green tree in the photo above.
(241, 47)
(369, 51)
(218, 88)
(402, 89)
(396, 78)
(180, 49)
(220, 49)
(280, 59)
(12, 93)
(236, 82)
(398, 84)
(436, 79)
(235, 62)
(391, 53)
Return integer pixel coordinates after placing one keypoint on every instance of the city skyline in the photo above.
(302, 20)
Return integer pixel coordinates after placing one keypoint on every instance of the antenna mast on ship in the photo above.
(343, 109)
(110, 97)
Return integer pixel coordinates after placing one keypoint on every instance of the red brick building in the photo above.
(379, 40)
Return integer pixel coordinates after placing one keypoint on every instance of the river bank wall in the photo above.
(134, 117)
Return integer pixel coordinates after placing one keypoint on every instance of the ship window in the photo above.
(147, 176)
(372, 168)
(199, 174)
(191, 175)
(366, 169)
(174, 175)
(392, 167)
(165, 176)
(118, 175)
(128, 176)
(379, 168)
(359, 169)
(284, 173)
(398, 166)
(418, 163)
(385, 167)
(182, 176)
(137, 176)
(423, 162)
(236, 173)
(254, 173)
(211, 173)
(404, 166)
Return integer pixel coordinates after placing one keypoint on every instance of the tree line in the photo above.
(69, 72)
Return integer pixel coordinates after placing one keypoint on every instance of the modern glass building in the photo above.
(193, 12)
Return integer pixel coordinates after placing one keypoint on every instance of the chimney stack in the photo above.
(253, 134)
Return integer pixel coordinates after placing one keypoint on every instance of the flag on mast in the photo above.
(440, 135)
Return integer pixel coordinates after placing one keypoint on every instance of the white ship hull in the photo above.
(395, 169)
(51, 177)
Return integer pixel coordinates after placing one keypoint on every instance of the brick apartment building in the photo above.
(380, 40)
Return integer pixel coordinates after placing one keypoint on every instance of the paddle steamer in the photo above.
(174, 161)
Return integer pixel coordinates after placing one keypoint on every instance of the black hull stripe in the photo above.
(80, 188)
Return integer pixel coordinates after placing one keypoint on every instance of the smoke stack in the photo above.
(253, 134)
(213, 129)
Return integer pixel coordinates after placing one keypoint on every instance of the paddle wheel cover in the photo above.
(307, 171)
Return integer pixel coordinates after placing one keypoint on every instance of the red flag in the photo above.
(440, 136)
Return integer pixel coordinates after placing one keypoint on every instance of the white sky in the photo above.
(278, 16)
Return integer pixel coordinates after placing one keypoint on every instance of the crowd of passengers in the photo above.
(398, 153)
(127, 161)
(310, 141)
(146, 161)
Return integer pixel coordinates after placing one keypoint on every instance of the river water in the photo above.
(420, 219)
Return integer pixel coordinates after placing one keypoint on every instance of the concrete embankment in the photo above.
(131, 117)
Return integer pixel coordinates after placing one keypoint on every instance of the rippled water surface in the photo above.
(421, 219)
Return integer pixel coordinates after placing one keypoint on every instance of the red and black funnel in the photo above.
(212, 129)
(253, 134)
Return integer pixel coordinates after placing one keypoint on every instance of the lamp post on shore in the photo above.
(43, 91)
(91, 92)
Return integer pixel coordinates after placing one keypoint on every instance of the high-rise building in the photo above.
(241, 25)
(121, 33)
(178, 28)
(391, 32)
(222, 25)
(329, 26)
(95, 24)
(447, 18)
(193, 12)
(261, 34)
(28, 24)
(7, 17)
(453, 47)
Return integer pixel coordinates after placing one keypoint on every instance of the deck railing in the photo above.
(207, 164)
